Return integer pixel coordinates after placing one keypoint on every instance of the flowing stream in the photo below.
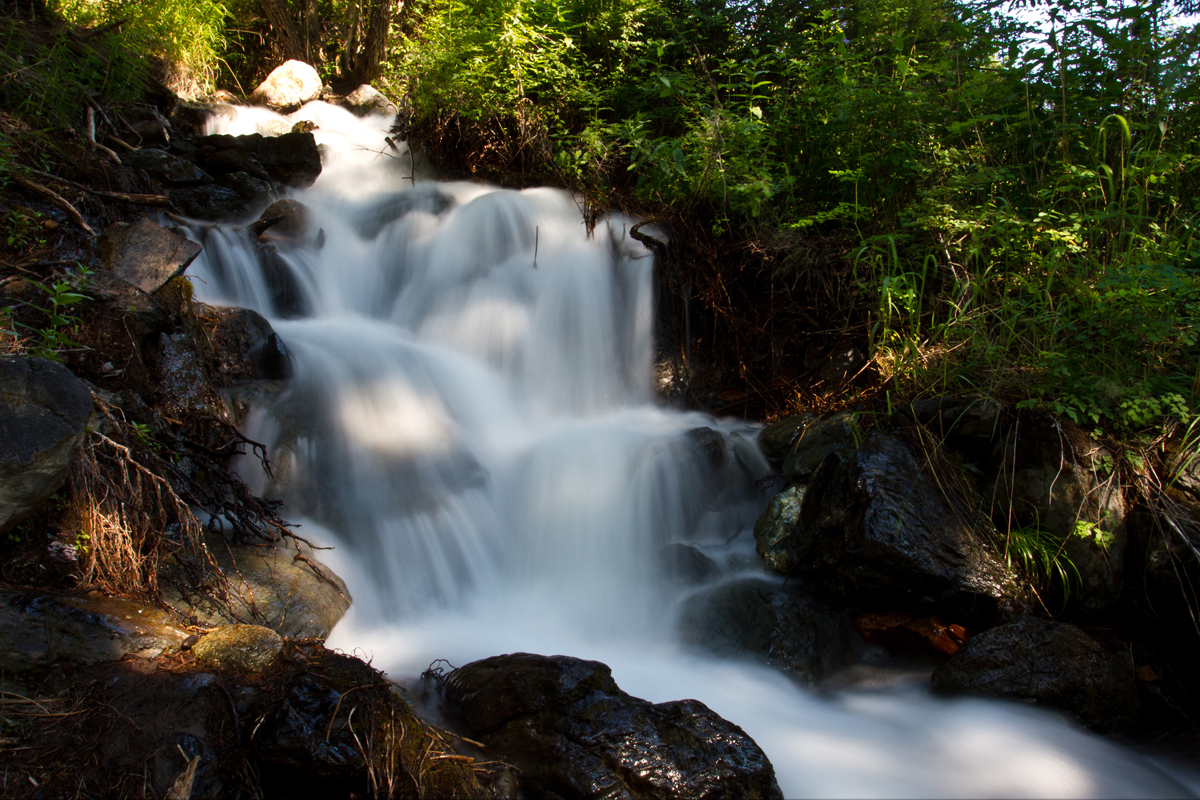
(471, 422)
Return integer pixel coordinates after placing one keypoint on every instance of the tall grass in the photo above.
(185, 37)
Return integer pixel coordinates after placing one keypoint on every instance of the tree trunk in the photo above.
(291, 43)
(364, 62)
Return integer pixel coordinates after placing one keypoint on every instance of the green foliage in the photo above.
(1041, 557)
(51, 335)
(186, 37)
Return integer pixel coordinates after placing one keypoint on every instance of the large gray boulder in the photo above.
(875, 527)
(760, 621)
(146, 255)
(1054, 477)
(1049, 663)
(288, 87)
(366, 99)
(44, 411)
(574, 734)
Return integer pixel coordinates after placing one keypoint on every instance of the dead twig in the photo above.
(57, 199)
(91, 136)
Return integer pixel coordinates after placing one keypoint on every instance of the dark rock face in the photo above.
(168, 168)
(291, 159)
(753, 619)
(875, 527)
(43, 414)
(686, 564)
(817, 441)
(574, 734)
(287, 298)
(777, 439)
(775, 532)
(1048, 663)
(1055, 477)
(250, 348)
(213, 203)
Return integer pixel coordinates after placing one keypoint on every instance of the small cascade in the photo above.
(470, 421)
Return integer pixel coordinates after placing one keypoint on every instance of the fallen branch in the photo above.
(142, 199)
(121, 142)
(57, 199)
(91, 136)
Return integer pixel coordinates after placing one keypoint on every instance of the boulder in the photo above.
(285, 221)
(44, 411)
(367, 99)
(775, 535)
(815, 442)
(255, 193)
(146, 255)
(288, 87)
(1053, 476)
(242, 649)
(761, 621)
(376, 215)
(284, 588)
(247, 347)
(168, 168)
(287, 296)
(183, 384)
(42, 631)
(686, 564)
(776, 439)
(875, 527)
(1049, 663)
(212, 203)
(291, 159)
(572, 732)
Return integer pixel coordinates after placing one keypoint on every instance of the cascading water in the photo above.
(471, 422)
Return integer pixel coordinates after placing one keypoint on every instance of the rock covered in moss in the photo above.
(775, 531)
(243, 649)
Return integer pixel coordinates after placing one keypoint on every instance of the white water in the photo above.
(476, 434)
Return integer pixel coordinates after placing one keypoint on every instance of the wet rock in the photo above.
(182, 382)
(288, 87)
(876, 527)
(1048, 663)
(709, 446)
(380, 213)
(212, 203)
(42, 631)
(146, 255)
(243, 649)
(1053, 476)
(776, 440)
(294, 737)
(44, 411)
(291, 159)
(224, 162)
(760, 621)
(148, 124)
(285, 221)
(816, 441)
(775, 531)
(168, 168)
(247, 347)
(284, 588)
(686, 564)
(367, 99)
(254, 193)
(287, 298)
(573, 733)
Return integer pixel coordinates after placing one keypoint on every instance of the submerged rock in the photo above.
(44, 411)
(686, 564)
(761, 621)
(875, 527)
(573, 733)
(1048, 663)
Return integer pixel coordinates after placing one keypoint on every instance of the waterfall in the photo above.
(471, 423)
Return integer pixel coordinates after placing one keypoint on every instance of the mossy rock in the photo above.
(244, 649)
